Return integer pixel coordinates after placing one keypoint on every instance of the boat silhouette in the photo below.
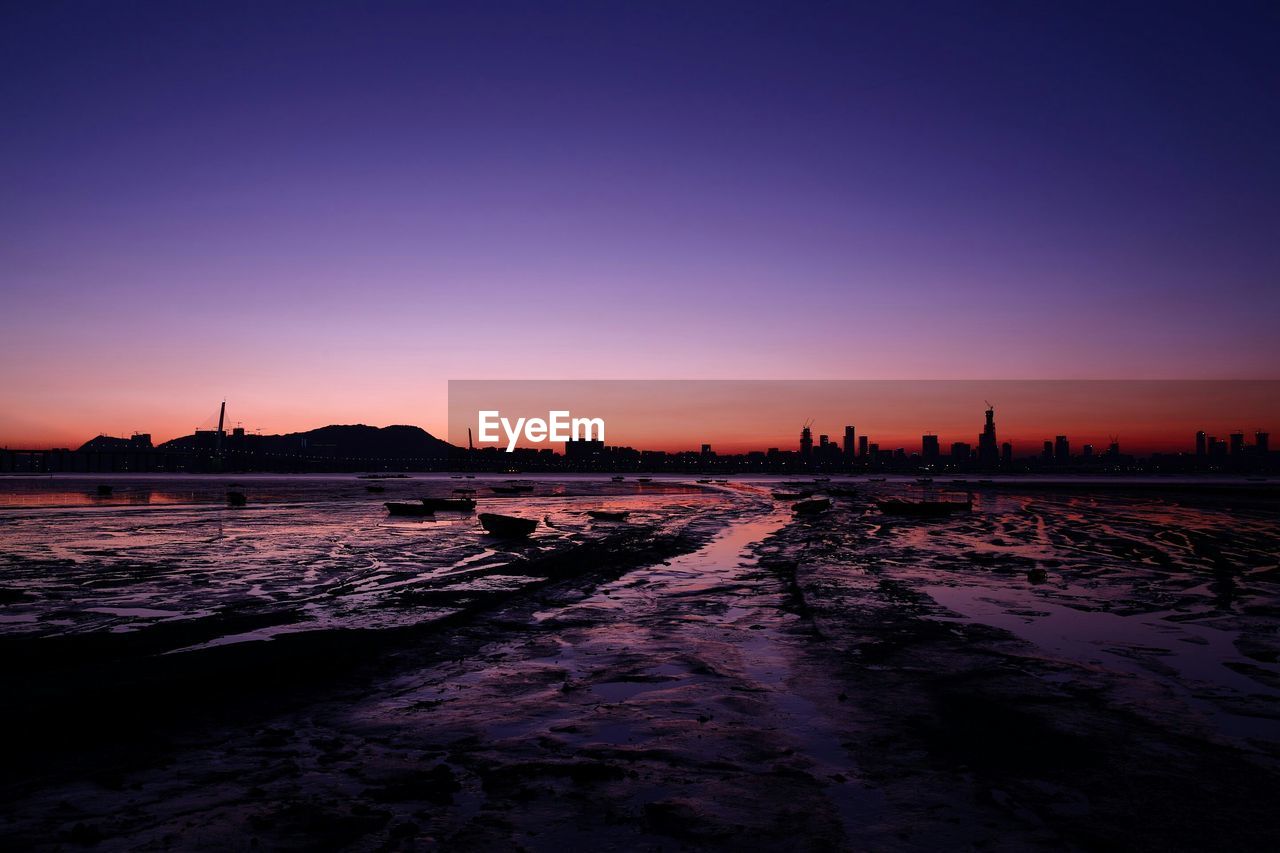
(417, 509)
(507, 526)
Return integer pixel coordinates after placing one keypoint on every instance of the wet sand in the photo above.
(717, 675)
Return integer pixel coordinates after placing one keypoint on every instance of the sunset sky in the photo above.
(739, 416)
(323, 212)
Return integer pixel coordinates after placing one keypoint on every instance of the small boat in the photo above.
(811, 507)
(105, 491)
(705, 482)
(842, 491)
(407, 509)
(510, 489)
(788, 496)
(456, 504)
(236, 499)
(925, 481)
(875, 479)
(609, 514)
(507, 526)
(464, 491)
(645, 480)
(375, 489)
(617, 479)
(922, 509)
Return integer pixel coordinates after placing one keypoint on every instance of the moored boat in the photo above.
(618, 479)
(236, 499)
(609, 514)
(456, 504)
(811, 507)
(511, 488)
(396, 508)
(507, 526)
(923, 508)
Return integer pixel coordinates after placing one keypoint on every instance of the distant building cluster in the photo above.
(404, 448)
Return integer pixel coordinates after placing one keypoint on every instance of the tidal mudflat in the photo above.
(1060, 668)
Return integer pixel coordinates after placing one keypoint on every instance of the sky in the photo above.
(322, 212)
(736, 416)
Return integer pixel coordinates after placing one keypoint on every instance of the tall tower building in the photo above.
(930, 450)
(806, 442)
(988, 447)
(1201, 447)
(848, 442)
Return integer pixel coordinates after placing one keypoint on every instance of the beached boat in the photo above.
(617, 479)
(236, 499)
(105, 491)
(507, 526)
(790, 496)
(841, 491)
(705, 482)
(811, 507)
(923, 508)
(456, 504)
(645, 480)
(396, 508)
(511, 488)
(609, 514)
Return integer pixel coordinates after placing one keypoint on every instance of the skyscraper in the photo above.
(1201, 447)
(1061, 449)
(1237, 443)
(988, 447)
(806, 442)
(862, 446)
(930, 451)
(1262, 442)
(848, 443)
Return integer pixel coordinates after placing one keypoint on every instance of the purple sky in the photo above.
(324, 211)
